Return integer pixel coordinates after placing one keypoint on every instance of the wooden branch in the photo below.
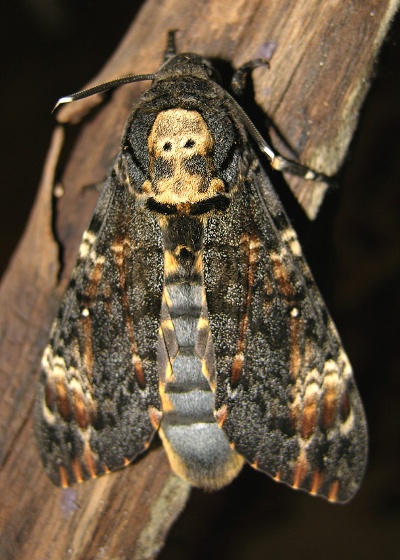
(320, 70)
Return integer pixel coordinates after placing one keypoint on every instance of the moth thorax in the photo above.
(181, 167)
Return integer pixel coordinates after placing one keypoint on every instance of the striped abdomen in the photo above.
(197, 448)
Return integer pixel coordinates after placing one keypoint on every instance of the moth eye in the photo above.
(167, 146)
(189, 144)
(208, 68)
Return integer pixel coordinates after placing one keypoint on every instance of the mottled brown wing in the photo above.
(285, 396)
(99, 372)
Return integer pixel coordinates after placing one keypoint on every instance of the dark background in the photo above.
(52, 47)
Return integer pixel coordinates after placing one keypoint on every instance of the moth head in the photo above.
(187, 64)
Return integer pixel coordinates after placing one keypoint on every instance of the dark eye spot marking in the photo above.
(185, 254)
(162, 169)
(189, 144)
(167, 146)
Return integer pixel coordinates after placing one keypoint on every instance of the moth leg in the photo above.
(170, 50)
(93, 187)
(240, 76)
(277, 161)
(282, 164)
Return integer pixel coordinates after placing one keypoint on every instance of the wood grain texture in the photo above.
(321, 66)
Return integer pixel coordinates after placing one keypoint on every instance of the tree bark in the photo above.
(323, 56)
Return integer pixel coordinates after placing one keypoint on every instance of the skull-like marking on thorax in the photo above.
(181, 166)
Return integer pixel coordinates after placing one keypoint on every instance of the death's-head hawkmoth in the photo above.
(192, 313)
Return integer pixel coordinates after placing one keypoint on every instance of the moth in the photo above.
(192, 313)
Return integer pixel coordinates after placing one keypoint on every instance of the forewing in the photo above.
(99, 376)
(285, 394)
